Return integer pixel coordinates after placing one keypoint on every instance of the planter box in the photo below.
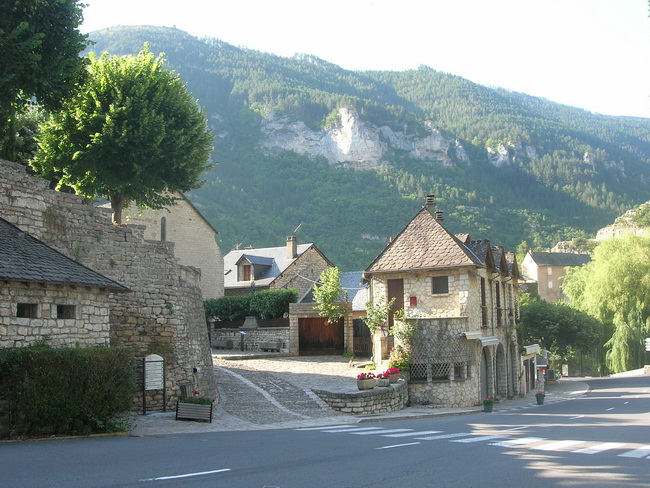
(194, 411)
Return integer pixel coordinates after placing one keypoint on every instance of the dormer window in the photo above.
(245, 272)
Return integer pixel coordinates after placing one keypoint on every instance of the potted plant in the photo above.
(488, 403)
(195, 407)
(400, 359)
(539, 396)
(366, 381)
(383, 379)
(393, 374)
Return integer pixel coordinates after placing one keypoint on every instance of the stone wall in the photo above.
(163, 313)
(89, 327)
(302, 273)
(252, 339)
(193, 238)
(378, 400)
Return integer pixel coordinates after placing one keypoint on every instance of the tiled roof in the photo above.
(560, 259)
(275, 257)
(25, 258)
(356, 292)
(423, 244)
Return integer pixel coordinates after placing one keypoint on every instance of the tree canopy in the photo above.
(131, 133)
(557, 327)
(328, 294)
(39, 58)
(615, 288)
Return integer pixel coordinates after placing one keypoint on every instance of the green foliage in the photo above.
(377, 314)
(556, 194)
(266, 304)
(400, 358)
(404, 329)
(39, 57)
(328, 294)
(269, 304)
(563, 330)
(65, 391)
(615, 288)
(132, 132)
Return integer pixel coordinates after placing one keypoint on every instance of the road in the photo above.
(600, 440)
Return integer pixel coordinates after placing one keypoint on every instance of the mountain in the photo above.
(348, 156)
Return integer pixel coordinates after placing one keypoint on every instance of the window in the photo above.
(440, 285)
(27, 310)
(484, 318)
(461, 371)
(550, 285)
(549, 271)
(66, 312)
(163, 229)
(245, 272)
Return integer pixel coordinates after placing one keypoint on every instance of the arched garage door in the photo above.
(318, 337)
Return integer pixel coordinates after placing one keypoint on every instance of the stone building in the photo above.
(547, 269)
(193, 237)
(49, 298)
(459, 299)
(163, 312)
(294, 266)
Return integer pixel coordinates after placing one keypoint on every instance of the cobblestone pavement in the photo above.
(269, 392)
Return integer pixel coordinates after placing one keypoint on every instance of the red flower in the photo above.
(366, 376)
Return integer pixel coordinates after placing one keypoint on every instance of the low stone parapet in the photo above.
(378, 400)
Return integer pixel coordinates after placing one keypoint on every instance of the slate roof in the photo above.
(355, 291)
(423, 244)
(560, 259)
(25, 258)
(274, 259)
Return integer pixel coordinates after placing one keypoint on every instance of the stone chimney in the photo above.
(292, 247)
(430, 204)
(439, 216)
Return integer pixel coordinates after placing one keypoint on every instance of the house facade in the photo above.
(193, 236)
(46, 297)
(293, 266)
(547, 269)
(458, 299)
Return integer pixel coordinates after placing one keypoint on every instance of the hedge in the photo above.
(266, 304)
(46, 391)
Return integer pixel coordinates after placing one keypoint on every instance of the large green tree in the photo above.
(559, 328)
(615, 288)
(39, 58)
(131, 133)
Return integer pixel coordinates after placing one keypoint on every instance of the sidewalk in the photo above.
(271, 391)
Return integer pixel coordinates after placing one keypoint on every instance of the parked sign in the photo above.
(154, 372)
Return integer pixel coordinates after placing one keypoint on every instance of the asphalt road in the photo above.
(599, 440)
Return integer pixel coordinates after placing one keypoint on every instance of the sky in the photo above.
(592, 54)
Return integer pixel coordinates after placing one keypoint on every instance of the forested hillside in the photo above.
(517, 167)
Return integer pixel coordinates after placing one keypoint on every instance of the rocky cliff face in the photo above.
(357, 144)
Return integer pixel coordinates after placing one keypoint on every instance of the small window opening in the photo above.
(440, 285)
(66, 312)
(27, 310)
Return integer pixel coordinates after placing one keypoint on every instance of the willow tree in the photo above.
(615, 288)
(131, 133)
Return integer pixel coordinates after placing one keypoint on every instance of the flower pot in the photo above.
(393, 378)
(194, 411)
(487, 407)
(383, 382)
(540, 400)
(366, 384)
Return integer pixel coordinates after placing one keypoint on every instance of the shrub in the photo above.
(65, 391)
(266, 304)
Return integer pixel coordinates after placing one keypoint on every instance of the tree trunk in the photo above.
(117, 203)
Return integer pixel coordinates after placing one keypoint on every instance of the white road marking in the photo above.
(413, 434)
(637, 453)
(385, 431)
(188, 475)
(480, 438)
(444, 436)
(605, 446)
(553, 446)
(328, 427)
(518, 442)
(576, 418)
(398, 445)
(356, 429)
(607, 410)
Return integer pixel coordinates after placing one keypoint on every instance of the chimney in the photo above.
(439, 217)
(292, 247)
(430, 204)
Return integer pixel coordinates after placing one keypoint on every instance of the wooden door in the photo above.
(395, 290)
(318, 337)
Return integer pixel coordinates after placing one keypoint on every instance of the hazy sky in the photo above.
(593, 54)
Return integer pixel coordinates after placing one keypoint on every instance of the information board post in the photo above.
(153, 378)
